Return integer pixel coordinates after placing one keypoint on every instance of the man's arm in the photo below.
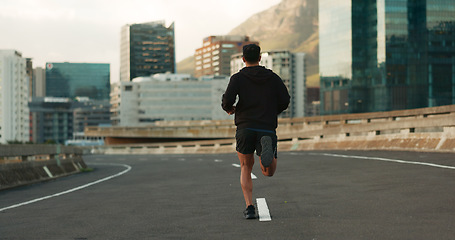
(283, 97)
(229, 96)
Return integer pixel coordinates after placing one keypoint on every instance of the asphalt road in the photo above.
(313, 195)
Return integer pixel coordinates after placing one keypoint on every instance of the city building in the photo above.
(146, 100)
(214, 57)
(219, 84)
(386, 55)
(71, 80)
(39, 82)
(312, 103)
(14, 111)
(57, 120)
(146, 49)
(29, 72)
(52, 119)
(66, 98)
(89, 113)
(291, 68)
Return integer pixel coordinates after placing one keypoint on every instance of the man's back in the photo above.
(262, 96)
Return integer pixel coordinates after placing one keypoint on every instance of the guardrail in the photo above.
(26, 164)
(426, 129)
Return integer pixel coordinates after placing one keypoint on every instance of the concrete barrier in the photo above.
(427, 129)
(27, 164)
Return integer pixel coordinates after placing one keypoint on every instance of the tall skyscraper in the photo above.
(14, 111)
(146, 49)
(71, 80)
(214, 57)
(386, 54)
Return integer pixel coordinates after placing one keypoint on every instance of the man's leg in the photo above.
(268, 153)
(270, 170)
(246, 166)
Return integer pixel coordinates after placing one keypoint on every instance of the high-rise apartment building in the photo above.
(71, 80)
(14, 111)
(386, 55)
(291, 68)
(146, 49)
(214, 57)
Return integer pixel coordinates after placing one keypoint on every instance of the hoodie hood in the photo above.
(257, 74)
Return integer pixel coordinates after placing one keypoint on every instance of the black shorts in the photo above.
(249, 141)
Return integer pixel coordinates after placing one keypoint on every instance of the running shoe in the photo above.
(267, 151)
(250, 212)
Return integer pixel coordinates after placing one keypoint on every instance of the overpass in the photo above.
(314, 195)
(425, 129)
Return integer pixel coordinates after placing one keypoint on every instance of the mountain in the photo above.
(291, 24)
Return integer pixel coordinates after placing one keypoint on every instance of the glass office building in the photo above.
(146, 49)
(386, 55)
(71, 80)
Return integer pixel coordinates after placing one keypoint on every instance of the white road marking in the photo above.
(128, 168)
(389, 160)
(252, 175)
(48, 172)
(263, 210)
(218, 160)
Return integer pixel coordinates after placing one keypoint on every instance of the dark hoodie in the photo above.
(262, 96)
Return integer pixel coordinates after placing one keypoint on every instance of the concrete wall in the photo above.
(27, 164)
(428, 129)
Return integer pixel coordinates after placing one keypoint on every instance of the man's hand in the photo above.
(232, 111)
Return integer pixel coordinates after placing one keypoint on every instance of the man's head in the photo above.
(251, 53)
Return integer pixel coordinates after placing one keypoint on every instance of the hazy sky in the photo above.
(89, 30)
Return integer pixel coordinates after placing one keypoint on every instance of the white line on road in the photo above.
(263, 210)
(128, 168)
(389, 160)
(48, 172)
(252, 175)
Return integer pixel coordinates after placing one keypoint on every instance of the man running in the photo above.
(262, 95)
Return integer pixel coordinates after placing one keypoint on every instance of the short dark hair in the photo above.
(251, 53)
